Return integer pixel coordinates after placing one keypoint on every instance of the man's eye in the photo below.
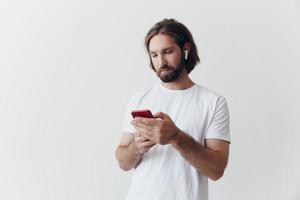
(153, 55)
(169, 51)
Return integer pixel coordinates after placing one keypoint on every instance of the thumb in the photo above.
(160, 115)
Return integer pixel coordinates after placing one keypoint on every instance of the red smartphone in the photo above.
(142, 113)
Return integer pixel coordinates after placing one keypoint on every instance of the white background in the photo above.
(68, 68)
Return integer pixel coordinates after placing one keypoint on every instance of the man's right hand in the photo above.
(131, 149)
(141, 144)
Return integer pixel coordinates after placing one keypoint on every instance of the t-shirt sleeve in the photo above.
(131, 105)
(219, 127)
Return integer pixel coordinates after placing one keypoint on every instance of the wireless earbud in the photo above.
(185, 54)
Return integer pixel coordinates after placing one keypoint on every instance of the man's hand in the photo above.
(158, 130)
(141, 143)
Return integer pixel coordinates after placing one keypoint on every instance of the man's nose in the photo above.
(162, 61)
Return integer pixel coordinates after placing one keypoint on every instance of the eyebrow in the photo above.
(164, 49)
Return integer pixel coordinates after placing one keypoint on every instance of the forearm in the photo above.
(207, 161)
(128, 156)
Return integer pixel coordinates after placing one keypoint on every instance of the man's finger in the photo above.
(144, 137)
(147, 134)
(160, 115)
(147, 137)
(143, 127)
(145, 121)
(147, 144)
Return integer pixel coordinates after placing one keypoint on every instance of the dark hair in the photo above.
(180, 34)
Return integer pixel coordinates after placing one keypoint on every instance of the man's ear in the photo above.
(186, 50)
(187, 46)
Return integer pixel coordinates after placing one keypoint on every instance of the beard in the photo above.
(169, 74)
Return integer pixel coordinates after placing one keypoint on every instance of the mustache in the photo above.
(163, 68)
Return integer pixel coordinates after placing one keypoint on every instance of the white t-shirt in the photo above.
(163, 174)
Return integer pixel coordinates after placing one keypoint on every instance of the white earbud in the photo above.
(185, 54)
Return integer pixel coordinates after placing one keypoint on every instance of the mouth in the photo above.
(165, 71)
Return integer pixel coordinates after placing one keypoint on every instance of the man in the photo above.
(188, 139)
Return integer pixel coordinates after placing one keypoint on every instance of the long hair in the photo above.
(180, 34)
